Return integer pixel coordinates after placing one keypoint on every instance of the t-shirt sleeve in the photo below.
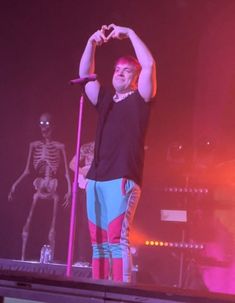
(104, 97)
(100, 98)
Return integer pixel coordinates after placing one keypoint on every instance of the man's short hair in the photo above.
(130, 60)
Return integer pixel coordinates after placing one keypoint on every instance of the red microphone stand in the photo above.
(75, 186)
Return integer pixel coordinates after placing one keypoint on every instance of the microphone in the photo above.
(84, 80)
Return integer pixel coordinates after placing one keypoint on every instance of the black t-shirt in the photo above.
(120, 136)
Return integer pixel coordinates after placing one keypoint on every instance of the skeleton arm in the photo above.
(25, 173)
(68, 194)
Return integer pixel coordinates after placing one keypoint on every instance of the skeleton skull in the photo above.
(46, 125)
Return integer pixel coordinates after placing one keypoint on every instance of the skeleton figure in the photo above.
(45, 156)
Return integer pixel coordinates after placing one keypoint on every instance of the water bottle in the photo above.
(46, 254)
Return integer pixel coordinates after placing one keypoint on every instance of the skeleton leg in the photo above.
(52, 232)
(25, 232)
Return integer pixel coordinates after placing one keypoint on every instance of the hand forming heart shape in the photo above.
(114, 31)
(107, 31)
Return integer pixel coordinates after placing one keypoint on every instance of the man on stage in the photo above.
(115, 176)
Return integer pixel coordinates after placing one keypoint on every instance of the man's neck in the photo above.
(119, 96)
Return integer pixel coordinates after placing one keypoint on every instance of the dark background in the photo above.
(41, 44)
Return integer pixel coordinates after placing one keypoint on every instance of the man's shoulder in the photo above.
(137, 96)
(105, 93)
(105, 97)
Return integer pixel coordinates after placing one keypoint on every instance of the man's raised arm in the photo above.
(87, 63)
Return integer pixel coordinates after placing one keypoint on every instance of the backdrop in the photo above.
(192, 120)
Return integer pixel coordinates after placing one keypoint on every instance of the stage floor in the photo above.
(48, 283)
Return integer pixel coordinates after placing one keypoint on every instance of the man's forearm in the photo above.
(142, 52)
(87, 62)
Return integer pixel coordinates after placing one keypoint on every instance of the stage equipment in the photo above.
(81, 82)
(182, 199)
(35, 268)
(190, 190)
(44, 289)
(180, 245)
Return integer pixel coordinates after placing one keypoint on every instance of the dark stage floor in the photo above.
(48, 283)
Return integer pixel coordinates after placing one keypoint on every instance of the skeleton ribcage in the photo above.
(46, 159)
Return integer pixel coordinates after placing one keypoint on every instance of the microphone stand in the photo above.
(75, 186)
